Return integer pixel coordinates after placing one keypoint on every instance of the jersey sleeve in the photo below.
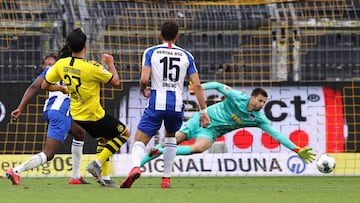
(222, 88)
(52, 75)
(266, 126)
(146, 58)
(192, 67)
(43, 73)
(101, 74)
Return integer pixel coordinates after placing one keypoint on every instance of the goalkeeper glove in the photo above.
(306, 154)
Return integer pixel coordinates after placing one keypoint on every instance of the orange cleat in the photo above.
(134, 174)
(79, 181)
(15, 179)
(165, 182)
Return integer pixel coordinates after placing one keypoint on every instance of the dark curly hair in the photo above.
(64, 52)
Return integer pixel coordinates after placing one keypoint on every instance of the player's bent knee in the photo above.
(127, 133)
(50, 157)
(78, 134)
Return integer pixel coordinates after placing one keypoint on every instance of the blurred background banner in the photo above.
(305, 114)
(213, 164)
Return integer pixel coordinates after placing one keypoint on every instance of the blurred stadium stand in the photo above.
(29, 30)
(302, 41)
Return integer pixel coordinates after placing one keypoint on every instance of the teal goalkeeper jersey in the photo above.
(232, 114)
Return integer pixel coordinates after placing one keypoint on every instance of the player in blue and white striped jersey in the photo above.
(167, 65)
(56, 114)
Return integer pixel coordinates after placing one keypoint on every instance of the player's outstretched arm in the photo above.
(222, 88)
(28, 94)
(305, 153)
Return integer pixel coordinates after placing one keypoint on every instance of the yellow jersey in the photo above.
(83, 79)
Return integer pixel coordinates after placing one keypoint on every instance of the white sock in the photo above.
(98, 162)
(76, 152)
(106, 177)
(138, 153)
(34, 161)
(169, 155)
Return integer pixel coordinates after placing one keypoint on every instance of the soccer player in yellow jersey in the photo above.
(83, 79)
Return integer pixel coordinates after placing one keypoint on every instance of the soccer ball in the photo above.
(325, 163)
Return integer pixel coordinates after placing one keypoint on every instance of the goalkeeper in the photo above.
(238, 110)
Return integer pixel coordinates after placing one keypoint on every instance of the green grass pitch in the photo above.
(277, 189)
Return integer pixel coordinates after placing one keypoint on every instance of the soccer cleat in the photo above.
(153, 153)
(165, 182)
(134, 174)
(81, 180)
(110, 183)
(15, 179)
(95, 171)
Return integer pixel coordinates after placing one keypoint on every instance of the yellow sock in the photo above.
(105, 167)
(110, 148)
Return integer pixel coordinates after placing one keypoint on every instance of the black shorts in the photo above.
(108, 127)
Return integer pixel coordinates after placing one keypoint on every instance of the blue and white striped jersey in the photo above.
(169, 64)
(57, 100)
